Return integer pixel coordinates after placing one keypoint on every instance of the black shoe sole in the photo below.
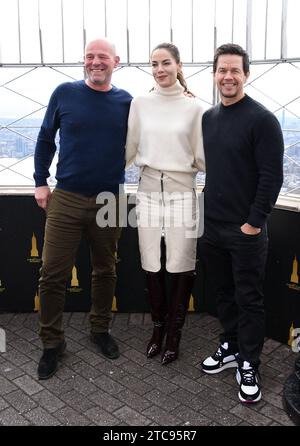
(115, 356)
(41, 378)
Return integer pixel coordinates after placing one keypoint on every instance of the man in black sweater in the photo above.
(244, 161)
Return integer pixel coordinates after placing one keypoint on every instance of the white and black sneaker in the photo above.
(249, 380)
(223, 358)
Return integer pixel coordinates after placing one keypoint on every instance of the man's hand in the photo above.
(250, 230)
(42, 195)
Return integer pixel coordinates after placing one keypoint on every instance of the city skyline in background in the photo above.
(42, 42)
(17, 151)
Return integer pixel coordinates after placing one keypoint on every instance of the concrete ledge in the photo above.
(289, 202)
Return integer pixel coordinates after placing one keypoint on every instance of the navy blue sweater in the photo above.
(243, 146)
(92, 129)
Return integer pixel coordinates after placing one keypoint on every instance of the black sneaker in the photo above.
(107, 344)
(49, 361)
(223, 358)
(249, 380)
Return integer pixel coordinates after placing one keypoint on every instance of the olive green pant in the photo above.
(69, 217)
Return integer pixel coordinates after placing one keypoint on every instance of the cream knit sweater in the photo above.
(165, 132)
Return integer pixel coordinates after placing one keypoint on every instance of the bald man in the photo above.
(91, 116)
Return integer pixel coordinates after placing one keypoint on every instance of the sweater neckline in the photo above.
(97, 91)
(236, 104)
(174, 90)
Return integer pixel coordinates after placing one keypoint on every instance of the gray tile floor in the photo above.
(89, 389)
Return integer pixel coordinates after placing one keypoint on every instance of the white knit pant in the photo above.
(170, 209)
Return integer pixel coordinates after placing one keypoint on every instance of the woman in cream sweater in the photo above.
(165, 141)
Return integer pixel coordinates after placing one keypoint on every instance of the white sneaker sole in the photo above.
(242, 400)
(249, 401)
(228, 365)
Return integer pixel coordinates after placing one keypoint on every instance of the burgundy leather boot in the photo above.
(159, 308)
(181, 289)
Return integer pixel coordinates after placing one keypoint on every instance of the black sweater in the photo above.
(243, 147)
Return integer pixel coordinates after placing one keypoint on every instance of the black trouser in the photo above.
(234, 265)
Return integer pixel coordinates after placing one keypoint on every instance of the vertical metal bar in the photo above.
(192, 28)
(84, 38)
(266, 28)
(40, 33)
(105, 18)
(215, 91)
(215, 26)
(19, 32)
(283, 49)
(232, 21)
(249, 28)
(171, 20)
(83, 26)
(62, 30)
(127, 32)
(0, 43)
(149, 28)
